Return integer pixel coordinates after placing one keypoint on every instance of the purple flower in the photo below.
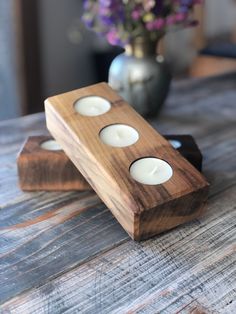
(120, 21)
(136, 14)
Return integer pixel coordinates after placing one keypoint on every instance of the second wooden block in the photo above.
(43, 165)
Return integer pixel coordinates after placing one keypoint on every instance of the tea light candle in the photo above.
(92, 106)
(176, 144)
(151, 171)
(51, 145)
(119, 135)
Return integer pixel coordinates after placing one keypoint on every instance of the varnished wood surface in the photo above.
(65, 253)
(142, 210)
(44, 170)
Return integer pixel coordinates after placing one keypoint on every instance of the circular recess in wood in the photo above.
(176, 144)
(151, 171)
(51, 145)
(92, 106)
(119, 135)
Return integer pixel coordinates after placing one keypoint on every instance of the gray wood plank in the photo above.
(194, 264)
(64, 252)
(51, 238)
(44, 234)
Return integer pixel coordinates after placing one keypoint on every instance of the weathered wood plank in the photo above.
(194, 264)
(217, 185)
(44, 234)
(60, 232)
(51, 263)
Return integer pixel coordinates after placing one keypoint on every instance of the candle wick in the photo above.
(119, 134)
(153, 170)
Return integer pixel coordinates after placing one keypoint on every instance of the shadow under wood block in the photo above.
(43, 165)
(143, 180)
(186, 145)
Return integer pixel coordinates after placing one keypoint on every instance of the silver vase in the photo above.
(141, 77)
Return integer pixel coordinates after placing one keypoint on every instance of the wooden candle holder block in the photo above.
(72, 177)
(143, 210)
(41, 169)
(186, 145)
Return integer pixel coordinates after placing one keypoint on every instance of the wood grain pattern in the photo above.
(172, 273)
(40, 169)
(142, 210)
(59, 266)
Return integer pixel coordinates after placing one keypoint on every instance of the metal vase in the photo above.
(141, 77)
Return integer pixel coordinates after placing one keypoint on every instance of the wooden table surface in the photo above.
(65, 252)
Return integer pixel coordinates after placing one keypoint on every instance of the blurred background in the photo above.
(45, 49)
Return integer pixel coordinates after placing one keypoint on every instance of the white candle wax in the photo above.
(151, 171)
(92, 106)
(176, 144)
(51, 145)
(119, 135)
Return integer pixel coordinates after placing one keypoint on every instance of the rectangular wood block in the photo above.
(143, 210)
(38, 168)
(47, 170)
